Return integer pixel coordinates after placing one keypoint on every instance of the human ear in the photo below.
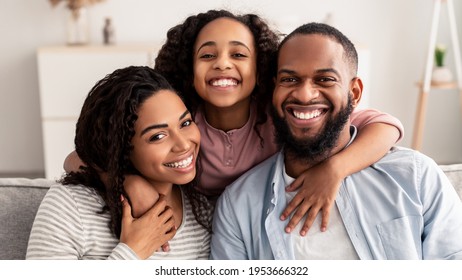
(356, 90)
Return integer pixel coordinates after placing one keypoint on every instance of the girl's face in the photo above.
(225, 67)
(166, 141)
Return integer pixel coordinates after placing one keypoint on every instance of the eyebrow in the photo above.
(319, 71)
(162, 125)
(212, 43)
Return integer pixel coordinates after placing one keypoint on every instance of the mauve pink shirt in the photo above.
(227, 155)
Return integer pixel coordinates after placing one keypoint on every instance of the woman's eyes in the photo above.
(157, 137)
(162, 135)
(187, 122)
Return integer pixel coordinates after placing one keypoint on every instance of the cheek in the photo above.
(195, 135)
(278, 99)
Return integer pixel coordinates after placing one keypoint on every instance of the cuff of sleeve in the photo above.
(123, 252)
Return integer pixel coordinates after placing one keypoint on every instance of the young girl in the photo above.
(221, 63)
(125, 128)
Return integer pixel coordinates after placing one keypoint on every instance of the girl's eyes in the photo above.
(206, 56)
(239, 55)
(210, 55)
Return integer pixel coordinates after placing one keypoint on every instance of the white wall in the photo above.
(395, 31)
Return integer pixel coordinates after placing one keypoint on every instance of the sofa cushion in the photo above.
(454, 173)
(19, 201)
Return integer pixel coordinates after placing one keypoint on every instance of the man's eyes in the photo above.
(288, 80)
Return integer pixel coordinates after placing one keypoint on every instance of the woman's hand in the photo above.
(146, 234)
(319, 187)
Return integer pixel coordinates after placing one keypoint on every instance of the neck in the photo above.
(228, 118)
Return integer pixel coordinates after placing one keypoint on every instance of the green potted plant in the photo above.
(441, 74)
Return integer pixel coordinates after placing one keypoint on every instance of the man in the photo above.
(402, 207)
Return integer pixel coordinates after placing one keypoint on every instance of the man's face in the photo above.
(314, 95)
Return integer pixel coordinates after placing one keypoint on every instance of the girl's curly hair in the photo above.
(103, 137)
(175, 59)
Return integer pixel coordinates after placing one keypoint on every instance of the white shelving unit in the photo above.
(426, 85)
(66, 75)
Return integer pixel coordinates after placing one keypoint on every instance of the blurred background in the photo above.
(393, 35)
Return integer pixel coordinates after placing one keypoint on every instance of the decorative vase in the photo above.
(441, 74)
(77, 26)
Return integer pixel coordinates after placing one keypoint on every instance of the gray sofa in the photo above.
(20, 198)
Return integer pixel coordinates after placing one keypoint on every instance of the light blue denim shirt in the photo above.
(402, 207)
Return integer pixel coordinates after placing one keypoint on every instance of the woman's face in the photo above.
(225, 67)
(166, 141)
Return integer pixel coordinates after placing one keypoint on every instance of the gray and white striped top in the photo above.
(70, 224)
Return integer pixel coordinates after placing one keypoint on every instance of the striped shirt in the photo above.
(70, 224)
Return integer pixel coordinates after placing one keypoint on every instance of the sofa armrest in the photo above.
(454, 173)
(19, 202)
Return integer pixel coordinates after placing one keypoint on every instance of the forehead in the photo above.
(311, 50)
(160, 106)
(225, 30)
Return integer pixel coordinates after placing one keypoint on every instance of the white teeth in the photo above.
(224, 82)
(180, 164)
(307, 116)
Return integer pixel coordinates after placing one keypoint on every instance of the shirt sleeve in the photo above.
(57, 231)
(442, 213)
(362, 117)
(123, 252)
(227, 243)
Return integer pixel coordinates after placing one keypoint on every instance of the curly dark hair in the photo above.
(103, 138)
(175, 58)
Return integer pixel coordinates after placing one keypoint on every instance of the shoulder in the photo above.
(73, 196)
(411, 168)
(405, 157)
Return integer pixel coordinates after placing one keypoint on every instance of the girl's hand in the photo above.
(319, 187)
(148, 233)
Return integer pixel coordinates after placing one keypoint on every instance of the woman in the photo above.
(132, 122)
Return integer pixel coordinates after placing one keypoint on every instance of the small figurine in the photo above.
(108, 32)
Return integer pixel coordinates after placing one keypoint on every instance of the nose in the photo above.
(222, 63)
(306, 92)
(181, 143)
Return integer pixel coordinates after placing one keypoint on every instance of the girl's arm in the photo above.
(377, 133)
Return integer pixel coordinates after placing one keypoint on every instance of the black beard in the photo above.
(317, 148)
